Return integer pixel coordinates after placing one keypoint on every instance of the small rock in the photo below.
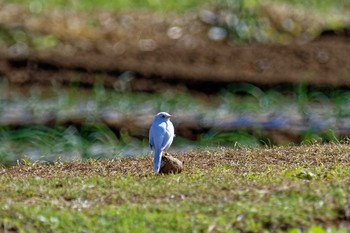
(170, 164)
(147, 45)
(217, 33)
(208, 17)
(174, 32)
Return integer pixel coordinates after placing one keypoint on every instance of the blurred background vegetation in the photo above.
(59, 107)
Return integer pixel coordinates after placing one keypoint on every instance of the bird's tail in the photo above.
(157, 160)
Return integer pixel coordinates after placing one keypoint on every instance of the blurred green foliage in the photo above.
(266, 21)
(93, 139)
(37, 5)
(180, 5)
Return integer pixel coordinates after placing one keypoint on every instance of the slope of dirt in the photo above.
(157, 52)
(321, 63)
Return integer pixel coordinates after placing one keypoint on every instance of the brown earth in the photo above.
(323, 62)
(134, 51)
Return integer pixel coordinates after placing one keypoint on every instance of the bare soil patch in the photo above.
(240, 160)
(209, 68)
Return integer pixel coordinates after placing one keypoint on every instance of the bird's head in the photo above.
(163, 116)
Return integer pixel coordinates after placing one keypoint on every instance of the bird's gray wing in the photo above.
(161, 136)
(156, 136)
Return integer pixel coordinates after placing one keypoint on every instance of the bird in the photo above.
(161, 136)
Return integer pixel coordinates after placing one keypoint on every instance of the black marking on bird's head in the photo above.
(163, 115)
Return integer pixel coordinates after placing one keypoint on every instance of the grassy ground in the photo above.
(223, 190)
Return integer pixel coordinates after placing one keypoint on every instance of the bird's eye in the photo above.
(163, 116)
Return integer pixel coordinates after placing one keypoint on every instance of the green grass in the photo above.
(181, 5)
(242, 20)
(157, 5)
(250, 190)
(321, 6)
